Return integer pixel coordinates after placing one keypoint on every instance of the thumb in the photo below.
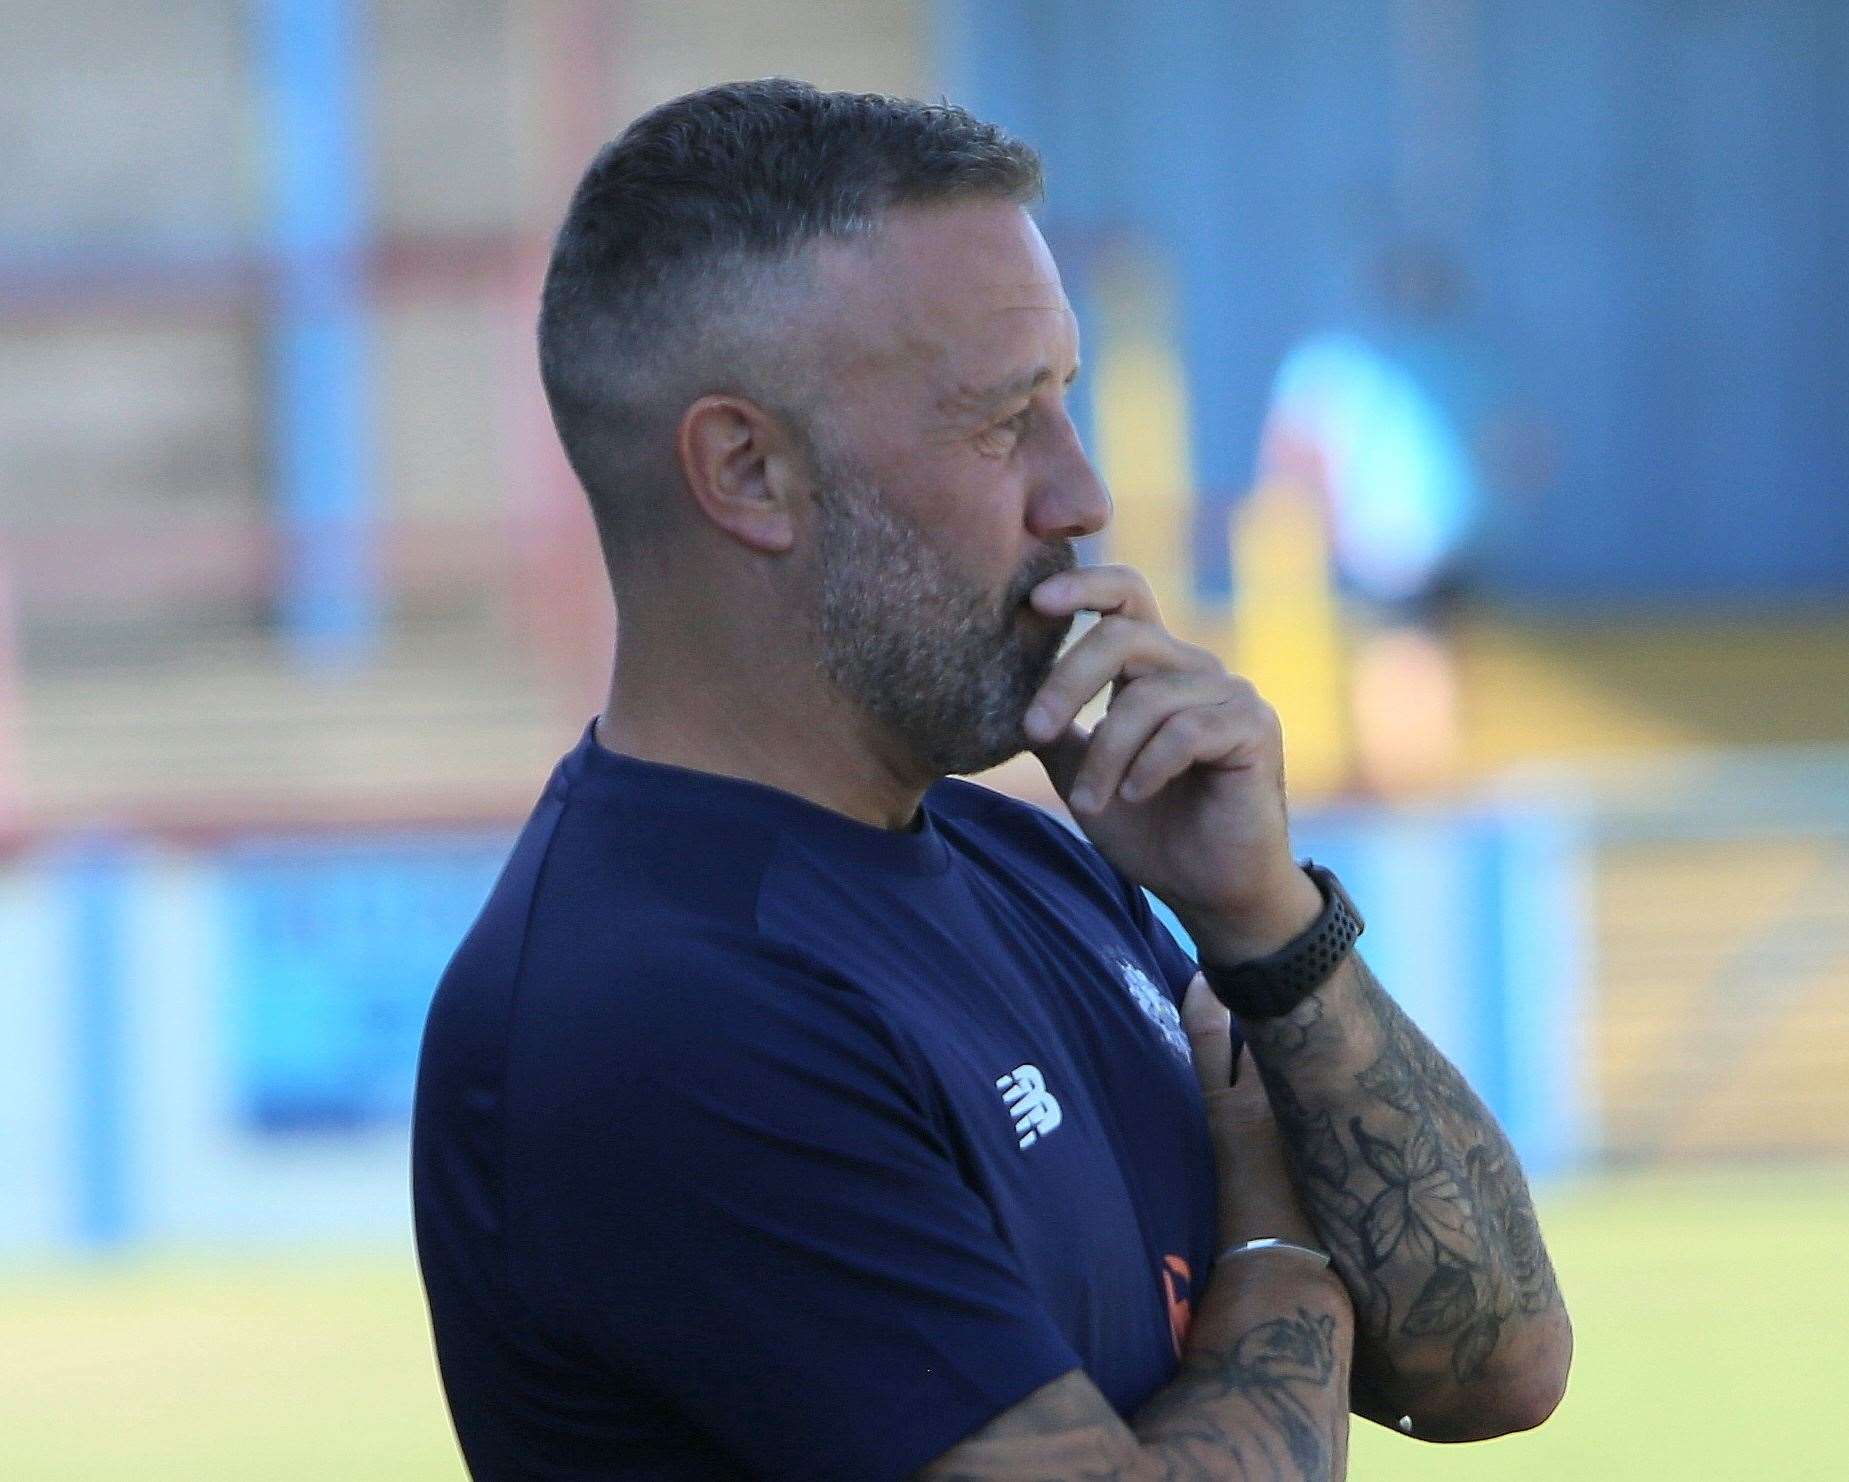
(1210, 1032)
(1062, 755)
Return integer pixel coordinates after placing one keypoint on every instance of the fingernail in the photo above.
(1039, 721)
(1084, 797)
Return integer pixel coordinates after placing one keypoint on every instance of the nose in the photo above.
(1069, 500)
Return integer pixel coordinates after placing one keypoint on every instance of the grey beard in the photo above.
(945, 665)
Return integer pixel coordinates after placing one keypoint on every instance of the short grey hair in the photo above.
(684, 231)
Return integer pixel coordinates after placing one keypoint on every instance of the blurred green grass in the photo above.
(1710, 1310)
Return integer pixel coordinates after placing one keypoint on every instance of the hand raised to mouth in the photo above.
(1181, 784)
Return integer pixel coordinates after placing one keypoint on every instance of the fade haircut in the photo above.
(685, 237)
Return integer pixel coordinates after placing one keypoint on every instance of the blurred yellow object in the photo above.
(1285, 631)
(1721, 994)
(1142, 420)
(1535, 690)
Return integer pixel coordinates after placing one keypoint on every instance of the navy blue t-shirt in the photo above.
(752, 1140)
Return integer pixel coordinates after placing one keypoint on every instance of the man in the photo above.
(794, 1110)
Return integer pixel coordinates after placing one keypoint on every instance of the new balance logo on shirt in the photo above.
(1035, 1109)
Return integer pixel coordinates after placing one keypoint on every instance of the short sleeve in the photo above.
(746, 1211)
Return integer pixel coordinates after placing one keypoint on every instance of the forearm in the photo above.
(1420, 1199)
(1263, 1386)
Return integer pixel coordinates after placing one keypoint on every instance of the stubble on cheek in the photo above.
(949, 666)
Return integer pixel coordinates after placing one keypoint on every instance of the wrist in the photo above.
(1257, 1200)
(1273, 984)
(1262, 1219)
(1228, 937)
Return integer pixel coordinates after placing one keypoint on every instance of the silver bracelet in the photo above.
(1271, 1242)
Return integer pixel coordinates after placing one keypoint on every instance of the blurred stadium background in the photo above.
(1472, 373)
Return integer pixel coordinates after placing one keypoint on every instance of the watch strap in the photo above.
(1272, 985)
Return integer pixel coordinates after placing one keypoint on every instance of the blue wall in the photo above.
(1647, 201)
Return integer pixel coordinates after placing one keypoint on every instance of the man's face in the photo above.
(950, 480)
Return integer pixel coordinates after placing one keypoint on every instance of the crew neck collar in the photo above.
(919, 850)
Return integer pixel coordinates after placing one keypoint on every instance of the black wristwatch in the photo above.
(1269, 986)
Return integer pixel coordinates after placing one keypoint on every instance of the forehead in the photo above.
(945, 294)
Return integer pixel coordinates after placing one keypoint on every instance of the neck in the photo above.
(742, 710)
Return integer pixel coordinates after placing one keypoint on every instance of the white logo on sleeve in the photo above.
(1036, 1110)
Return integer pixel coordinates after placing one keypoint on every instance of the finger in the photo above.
(1219, 736)
(1145, 709)
(1063, 756)
(1120, 589)
(1242, 730)
(1210, 1034)
(1116, 648)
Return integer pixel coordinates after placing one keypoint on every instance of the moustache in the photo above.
(1060, 558)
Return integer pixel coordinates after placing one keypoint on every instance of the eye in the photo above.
(1005, 435)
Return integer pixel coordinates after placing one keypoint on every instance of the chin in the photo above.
(980, 752)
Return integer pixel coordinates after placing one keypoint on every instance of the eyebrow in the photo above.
(968, 398)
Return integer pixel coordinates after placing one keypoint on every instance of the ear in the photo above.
(743, 470)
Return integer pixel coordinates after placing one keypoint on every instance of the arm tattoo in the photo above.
(1277, 1369)
(1408, 1178)
(1260, 1407)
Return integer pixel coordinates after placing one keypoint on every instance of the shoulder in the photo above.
(1030, 849)
(973, 808)
(988, 822)
(674, 1007)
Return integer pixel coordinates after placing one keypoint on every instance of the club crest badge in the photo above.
(1156, 1007)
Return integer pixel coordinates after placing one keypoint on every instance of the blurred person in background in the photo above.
(795, 1109)
(1394, 430)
